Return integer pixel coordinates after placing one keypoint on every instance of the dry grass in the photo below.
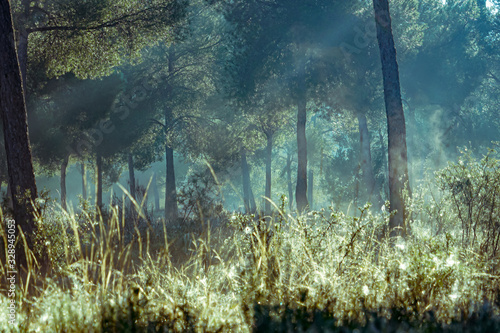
(316, 272)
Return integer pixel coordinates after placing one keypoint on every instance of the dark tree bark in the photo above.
(156, 193)
(171, 210)
(84, 181)
(22, 183)
(269, 155)
(289, 178)
(64, 166)
(366, 161)
(1, 179)
(310, 186)
(131, 175)
(384, 163)
(396, 130)
(98, 185)
(301, 187)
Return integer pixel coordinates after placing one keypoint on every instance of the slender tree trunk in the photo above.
(64, 166)
(156, 193)
(366, 161)
(310, 186)
(289, 178)
(17, 145)
(246, 181)
(84, 181)
(301, 187)
(131, 175)
(171, 211)
(98, 185)
(396, 130)
(269, 155)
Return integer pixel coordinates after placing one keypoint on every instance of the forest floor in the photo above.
(320, 272)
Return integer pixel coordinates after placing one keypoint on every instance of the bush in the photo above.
(473, 188)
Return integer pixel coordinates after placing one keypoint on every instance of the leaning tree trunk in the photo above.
(396, 130)
(84, 181)
(64, 167)
(366, 161)
(98, 185)
(17, 145)
(301, 188)
(269, 153)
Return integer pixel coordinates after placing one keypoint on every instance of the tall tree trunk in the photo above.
(269, 155)
(1, 179)
(289, 178)
(156, 193)
(171, 211)
(84, 181)
(301, 187)
(64, 166)
(246, 181)
(131, 175)
(16, 139)
(310, 186)
(396, 130)
(384, 164)
(366, 161)
(98, 185)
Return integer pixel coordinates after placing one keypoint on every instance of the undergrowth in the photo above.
(319, 272)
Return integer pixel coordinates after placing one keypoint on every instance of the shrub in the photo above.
(473, 188)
